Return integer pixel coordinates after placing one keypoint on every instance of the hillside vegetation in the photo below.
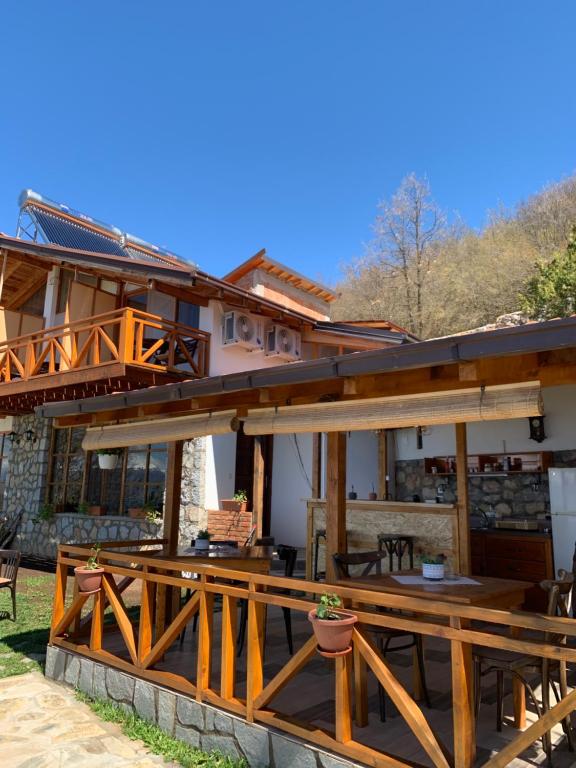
(436, 278)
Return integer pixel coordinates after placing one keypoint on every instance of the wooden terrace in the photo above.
(114, 351)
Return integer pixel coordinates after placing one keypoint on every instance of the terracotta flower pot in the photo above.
(136, 512)
(372, 496)
(96, 511)
(89, 580)
(230, 505)
(333, 635)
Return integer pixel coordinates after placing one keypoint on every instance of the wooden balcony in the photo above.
(116, 351)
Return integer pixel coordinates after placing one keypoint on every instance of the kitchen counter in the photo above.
(434, 527)
(511, 554)
(513, 531)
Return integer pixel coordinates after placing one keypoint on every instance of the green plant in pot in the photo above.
(89, 576)
(82, 508)
(202, 540)
(433, 567)
(333, 627)
(108, 457)
(151, 514)
(45, 514)
(238, 503)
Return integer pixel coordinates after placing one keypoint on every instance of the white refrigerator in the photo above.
(563, 512)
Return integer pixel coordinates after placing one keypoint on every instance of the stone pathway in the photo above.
(43, 725)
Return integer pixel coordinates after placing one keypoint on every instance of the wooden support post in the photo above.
(228, 649)
(465, 556)
(97, 621)
(382, 465)
(462, 700)
(360, 689)
(255, 653)
(335, 500)
(258, 486)
(58, 609)
(172, 503)
(317, 465)
(146, 624)
(205, 640)
(343, 698)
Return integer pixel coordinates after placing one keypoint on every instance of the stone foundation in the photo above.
(513, 495)
(184, 718)
(41, 538)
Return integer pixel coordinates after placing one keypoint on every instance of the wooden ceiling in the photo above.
(22, 278)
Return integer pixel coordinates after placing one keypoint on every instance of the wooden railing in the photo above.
(150, 638)
(125, 335)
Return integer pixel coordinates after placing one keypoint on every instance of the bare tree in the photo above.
(408, 230)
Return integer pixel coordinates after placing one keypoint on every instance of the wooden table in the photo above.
(505, 594)
(253, 559)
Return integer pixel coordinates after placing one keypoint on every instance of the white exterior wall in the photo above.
(229, 359)
(500, 436)
(292, 480)
(220, 469)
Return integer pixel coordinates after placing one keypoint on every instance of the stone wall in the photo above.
(184, 718)
(41, 538)
(28, 470)
(512, 495)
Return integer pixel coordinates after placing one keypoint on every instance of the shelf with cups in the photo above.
(492, 464)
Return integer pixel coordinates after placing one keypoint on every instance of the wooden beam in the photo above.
(335, 500)
(258, 486)
(463, 501)
(382, 465)
(172, 504)
(317, 465)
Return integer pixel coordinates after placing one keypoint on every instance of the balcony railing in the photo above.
(126, 336)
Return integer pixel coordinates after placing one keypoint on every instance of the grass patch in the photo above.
(23, 642)
(156, 740)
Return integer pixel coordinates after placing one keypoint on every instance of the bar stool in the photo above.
(320, 534)
(398, 545)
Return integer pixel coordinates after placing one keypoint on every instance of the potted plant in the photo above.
(82, 508)
(45, 514)
(352, 494)
(372, 496)
(137, 513)
(108, 457)
(333, 628)
(151, 514)
(89, 576)
(95, 510)
(239, 503)
(433, 567)
(202, 540)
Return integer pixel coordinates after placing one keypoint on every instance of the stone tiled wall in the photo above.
(513, 495)
(186, 719)
(28, 470)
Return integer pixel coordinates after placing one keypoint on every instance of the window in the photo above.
(67, 468)
(139, 477)
(188, 314)
(86, 279)
(5, 453)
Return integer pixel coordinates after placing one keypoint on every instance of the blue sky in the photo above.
(217, 128)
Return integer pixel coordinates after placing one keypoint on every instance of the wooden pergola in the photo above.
(544, 354)
(537, 352)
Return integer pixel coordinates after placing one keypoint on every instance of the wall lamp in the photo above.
(29, 435)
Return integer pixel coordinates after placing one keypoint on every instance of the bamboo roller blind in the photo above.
(510, 401)
(160, 431)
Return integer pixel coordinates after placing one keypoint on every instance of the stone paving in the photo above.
(43, 725)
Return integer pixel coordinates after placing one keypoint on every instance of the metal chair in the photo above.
(9, 564)
(320, 534)
(289, 555)
(397, 545)
(384, 637)
(520, 666)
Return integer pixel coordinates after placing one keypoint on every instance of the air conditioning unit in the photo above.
(240, 329)
(283, 342)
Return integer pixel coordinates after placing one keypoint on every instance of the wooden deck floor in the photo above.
(309, 696)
